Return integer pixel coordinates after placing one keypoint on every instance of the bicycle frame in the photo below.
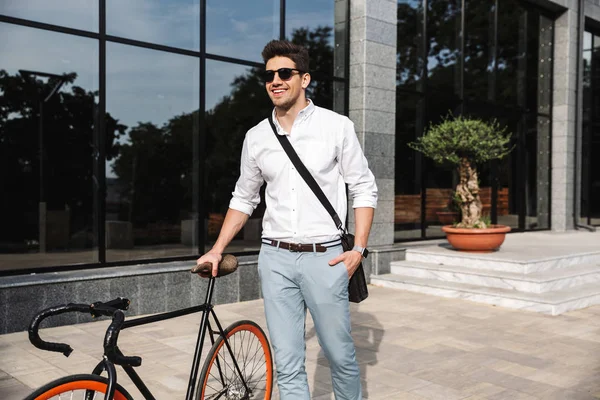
(206, 309)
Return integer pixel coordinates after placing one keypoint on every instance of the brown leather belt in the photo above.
(302, 247)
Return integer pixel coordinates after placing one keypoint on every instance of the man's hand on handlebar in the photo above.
(211, 258)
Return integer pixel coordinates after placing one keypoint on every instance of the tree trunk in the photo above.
(468, 192)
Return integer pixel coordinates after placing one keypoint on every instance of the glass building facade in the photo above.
(483, 59)
(122, 122)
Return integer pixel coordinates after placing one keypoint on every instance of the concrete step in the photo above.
(553, 303)
(535, 282)
(518, 261)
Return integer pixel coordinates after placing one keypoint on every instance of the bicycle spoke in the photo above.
(252, 376)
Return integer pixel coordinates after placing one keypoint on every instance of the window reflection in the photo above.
(409, 54)
(151, 197)
(153, 168)
(240, 29)
(78, 14)
(590, 164)
(479, 51)
(507, 77)
(443, 33)
(309, 14)
(407, 205)
(170, 23)
(238, 101)
(512, 21)
(48, 87)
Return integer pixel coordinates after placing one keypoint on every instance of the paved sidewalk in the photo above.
(409, 345)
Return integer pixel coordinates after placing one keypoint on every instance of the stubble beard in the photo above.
(286, 104)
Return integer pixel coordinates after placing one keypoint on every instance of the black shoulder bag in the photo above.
(357, 286)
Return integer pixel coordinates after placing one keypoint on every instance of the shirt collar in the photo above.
(302, 115)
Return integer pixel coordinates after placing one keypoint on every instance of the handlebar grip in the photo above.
(34, 336)
(110, 343)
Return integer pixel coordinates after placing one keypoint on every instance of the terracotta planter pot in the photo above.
(447, 217)
(476, 240)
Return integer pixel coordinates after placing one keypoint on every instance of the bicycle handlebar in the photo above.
(34, 336)
(110, 343)
(111, 308)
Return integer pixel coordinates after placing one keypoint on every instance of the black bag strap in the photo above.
(305, 174)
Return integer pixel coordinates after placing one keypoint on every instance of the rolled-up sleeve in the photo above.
(362, 187)
(246, 196)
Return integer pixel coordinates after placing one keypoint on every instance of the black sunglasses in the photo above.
(285, 74)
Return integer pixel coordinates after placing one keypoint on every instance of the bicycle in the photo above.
(226, 374)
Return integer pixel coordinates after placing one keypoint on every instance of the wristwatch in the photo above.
(364, 252)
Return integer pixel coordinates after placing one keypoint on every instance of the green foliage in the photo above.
(485, 221)
(453, 202)
(458, 137)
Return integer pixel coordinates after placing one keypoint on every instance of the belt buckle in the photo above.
(294, 247)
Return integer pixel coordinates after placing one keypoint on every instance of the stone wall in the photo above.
(152, 288)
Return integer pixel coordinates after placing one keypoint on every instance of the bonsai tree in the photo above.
(453, 203)
(465, 143)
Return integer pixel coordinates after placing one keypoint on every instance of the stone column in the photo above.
(372, 105)
(563, 119)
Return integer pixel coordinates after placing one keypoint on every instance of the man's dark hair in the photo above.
(284, 48)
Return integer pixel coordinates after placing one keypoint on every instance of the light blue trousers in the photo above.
(292, 282)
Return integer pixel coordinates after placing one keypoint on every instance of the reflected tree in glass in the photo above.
(409, 44)
(70, 148)
(443, 34)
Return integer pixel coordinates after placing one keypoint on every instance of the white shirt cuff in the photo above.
(365, 202)
(241, 206)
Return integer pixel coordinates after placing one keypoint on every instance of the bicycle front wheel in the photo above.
(220, 378)
(83, 386)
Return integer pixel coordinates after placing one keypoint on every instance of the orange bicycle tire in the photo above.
(81, 382)
(237, 327)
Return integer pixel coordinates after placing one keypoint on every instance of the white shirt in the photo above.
(327, 145)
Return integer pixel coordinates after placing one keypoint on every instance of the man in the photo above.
(316, 277)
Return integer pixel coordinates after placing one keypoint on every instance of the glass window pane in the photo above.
(78, 14)
(509, 176)
(321, 92)
(590, 163)
(512, 45)
(151, 192)
(170, 23)
(236, 100)
(241, 29)
(407, 201)
(309, 14)
(48, 86)
(321, 26)
(443, 34)
(587, 41)
(410, 54)
(479, 50)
